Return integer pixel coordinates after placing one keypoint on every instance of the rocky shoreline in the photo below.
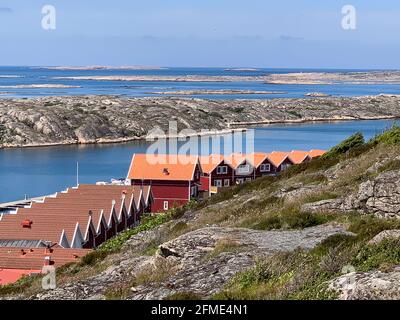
(108, 119)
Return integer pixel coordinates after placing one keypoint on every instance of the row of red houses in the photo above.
(177, 179)
(65, 227)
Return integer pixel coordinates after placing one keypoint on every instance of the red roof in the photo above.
(33, 258)
(8, 276)
(17, 262)
(62, 214)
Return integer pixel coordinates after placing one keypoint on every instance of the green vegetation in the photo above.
(18, 287)
(355, 141)
(380, 256)
(115, 244)
(388, 137)
(305, 275)
(389, 166)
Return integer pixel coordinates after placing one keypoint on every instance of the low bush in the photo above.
(355, 141)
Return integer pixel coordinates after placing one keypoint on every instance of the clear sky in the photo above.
(225, 33)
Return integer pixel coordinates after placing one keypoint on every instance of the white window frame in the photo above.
(166, 205)
(264, 166)
(218, 183)
(222, 169)
(227, 183)
(243, 168)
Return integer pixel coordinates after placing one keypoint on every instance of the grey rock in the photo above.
(190, 266)
(374, 285)
(385, 235)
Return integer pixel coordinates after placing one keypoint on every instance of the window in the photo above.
(248, 179)
(227, 183)
(265, 167)
(244, 168)
(165, 205)
(239, 181)
(285, 166)
(193, 191)
(218, 183)
(222, 170)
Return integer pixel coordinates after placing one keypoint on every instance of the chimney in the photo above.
(26, 223)
(48, 249)
(47, 260)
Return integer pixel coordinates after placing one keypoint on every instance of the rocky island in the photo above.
(306, 78)
(101, 119)
(216, 92)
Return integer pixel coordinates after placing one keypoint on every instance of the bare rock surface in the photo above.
(101, 119)
(379, 195)
(374, 285)
(191, 260)
(385, 235)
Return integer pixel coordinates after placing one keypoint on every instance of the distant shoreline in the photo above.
(75, 120)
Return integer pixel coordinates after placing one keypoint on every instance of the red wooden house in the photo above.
(174, 179)
(217, 173)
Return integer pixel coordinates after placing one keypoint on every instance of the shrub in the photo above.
(355, 141)
(388, 137)
(375, 256)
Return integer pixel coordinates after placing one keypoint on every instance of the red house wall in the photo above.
(249, 175)
(177, 193)
(215, 176)
(265, 173)
(205, 183)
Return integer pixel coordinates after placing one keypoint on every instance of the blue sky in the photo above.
(225, 33)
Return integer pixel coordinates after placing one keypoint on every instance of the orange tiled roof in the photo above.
(235, 159)
(277, 157)
(257, 158)
(299, 157)
(209, 163)
(316, 153)
(162, 167)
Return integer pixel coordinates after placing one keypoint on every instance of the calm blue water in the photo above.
(40, 171)
(35, 75)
